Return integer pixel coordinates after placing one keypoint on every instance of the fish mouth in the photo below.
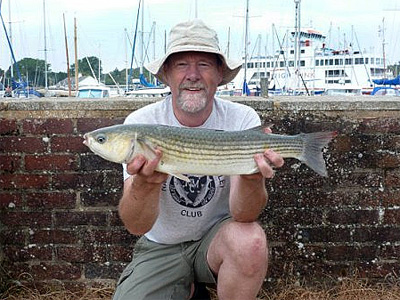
(85, 140)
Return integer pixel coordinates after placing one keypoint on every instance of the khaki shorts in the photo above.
(160, 272)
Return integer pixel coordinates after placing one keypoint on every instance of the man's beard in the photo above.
(192, 103)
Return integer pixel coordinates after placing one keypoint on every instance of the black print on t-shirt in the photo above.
(196, 193)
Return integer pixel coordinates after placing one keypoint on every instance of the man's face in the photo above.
(193, 78)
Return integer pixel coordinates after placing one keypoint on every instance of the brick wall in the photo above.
(58, 201)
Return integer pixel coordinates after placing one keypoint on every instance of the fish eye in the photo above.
(101, 139)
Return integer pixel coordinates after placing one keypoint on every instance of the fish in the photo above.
(201, 151)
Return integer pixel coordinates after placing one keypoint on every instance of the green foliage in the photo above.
(32, 70)
(86, 65)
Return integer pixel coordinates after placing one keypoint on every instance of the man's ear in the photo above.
(220, 72)
(165, 71)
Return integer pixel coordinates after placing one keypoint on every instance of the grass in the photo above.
(346, 289)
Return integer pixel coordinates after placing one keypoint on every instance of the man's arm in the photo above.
(139, 205)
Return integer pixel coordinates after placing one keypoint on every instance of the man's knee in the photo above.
(247, 244)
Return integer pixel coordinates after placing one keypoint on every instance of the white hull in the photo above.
(321, 69)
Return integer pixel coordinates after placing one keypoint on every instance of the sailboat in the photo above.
(147, 89)
(20, 88)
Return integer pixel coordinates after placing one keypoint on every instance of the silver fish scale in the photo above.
(210, 145)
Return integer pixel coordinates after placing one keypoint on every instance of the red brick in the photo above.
(389, 161)
(55, 271)
(351, 253)
(98, 199)
(14, 236)
(353, 216)
(11, 200)
(51, 162)
(27, 253)
(49, 200)
(12, 144)
(115, 236)
(342, 144)
(94, 162)
(94, 180)
(53, 236)
(85, 254)
(115, 220)
(85, 125)
(10, 163)
(22, 218)
(391, 198)
(121, 253)
(23, 181)
(325, 234)
(392, 216)
(393, 178)
(97, 271)
(389, 252)
(292, 216)
(8, 127)
(68, 144)
(80, 218)
(380, 125)
(47, 126)
(376, 234)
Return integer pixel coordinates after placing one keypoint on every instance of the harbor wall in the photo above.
(58, 210)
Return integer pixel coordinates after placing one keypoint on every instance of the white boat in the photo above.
(149, 92)
(93, 91)
(320, 68)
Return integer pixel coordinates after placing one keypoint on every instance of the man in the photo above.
(205, 230)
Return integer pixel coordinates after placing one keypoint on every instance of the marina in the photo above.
(302, 60)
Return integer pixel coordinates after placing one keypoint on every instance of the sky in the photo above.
(104, 27)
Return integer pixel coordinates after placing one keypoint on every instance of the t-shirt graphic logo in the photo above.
(196, 193)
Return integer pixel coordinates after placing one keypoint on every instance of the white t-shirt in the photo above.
(189, 210)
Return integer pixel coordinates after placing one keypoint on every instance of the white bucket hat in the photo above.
(194, 35)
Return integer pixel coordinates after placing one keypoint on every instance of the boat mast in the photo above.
(142, 41)
(297, 41)
(383, 48)
(246, 37)
(45, 45)
(10, 37)
(76, 57)
(66, 53)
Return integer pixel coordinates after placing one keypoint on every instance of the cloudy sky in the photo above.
(104, 24)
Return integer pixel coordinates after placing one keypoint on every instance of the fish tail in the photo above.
(312, 154)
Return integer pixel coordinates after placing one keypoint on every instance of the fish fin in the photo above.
(312, 154)
(181, 177)
(261, 127)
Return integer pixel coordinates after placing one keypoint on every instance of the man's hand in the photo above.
(146, 169)
(266, 162)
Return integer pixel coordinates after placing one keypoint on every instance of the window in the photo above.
(317, 63)
(348, 61)
(281, 64)
(302, 63)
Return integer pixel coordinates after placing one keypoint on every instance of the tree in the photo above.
(32, 71)
(86, 65)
